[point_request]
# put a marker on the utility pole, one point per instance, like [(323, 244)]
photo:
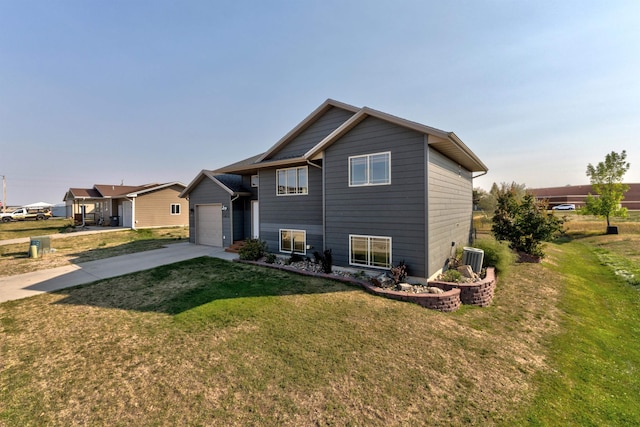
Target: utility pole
[(4, 194)]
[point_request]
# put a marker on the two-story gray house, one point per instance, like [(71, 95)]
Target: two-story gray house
[(374, 188)]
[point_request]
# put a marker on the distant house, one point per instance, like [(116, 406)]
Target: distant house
[(577, 194), (374, 188), (131, 206)]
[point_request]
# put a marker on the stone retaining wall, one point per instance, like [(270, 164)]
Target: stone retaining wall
[(477, 293), (448, 301)]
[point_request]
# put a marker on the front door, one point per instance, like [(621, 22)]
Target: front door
[(255, 219)]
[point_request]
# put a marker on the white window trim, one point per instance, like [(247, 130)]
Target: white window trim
[(304, 232), (369, 251), (171, 209), (306, 168), (368, 156)]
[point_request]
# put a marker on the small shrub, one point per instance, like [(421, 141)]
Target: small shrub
[(253, 250), (294, 258), (326, 260), (270, 258), (496, 254), (452, 276), (399, 272)]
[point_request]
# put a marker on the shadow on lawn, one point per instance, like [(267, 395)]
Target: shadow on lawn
[(182, 286)]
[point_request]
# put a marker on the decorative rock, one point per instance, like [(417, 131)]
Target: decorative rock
[(466, 271), (434, 290), (405, 287), (385, 281)]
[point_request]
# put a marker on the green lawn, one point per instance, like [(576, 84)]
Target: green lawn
[(17, 229), (209, 342)]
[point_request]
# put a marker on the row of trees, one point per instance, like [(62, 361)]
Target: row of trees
[(525, 222)]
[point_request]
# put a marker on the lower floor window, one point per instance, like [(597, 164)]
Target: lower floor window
[(370, 251), (293, 241), (175, 209)]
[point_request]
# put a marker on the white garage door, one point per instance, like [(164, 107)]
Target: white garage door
[(209, 225)]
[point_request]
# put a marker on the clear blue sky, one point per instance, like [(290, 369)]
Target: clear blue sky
[(96, 92)]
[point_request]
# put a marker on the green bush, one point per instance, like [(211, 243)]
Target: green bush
[(496, 254), (270, 258), (453, 276), (253, 250), (524, 223)]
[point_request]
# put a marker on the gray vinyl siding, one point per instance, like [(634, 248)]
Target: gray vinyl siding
[(315, 133), (396, 210), (207, 192), (297, 212), (450, 208)]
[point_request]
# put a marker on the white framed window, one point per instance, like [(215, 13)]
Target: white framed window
[(293, 241), (254, 180), (370, 169), (292, 181), (370, 251), (175, 208)]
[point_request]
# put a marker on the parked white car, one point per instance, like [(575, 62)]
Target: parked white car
[(565, 207)]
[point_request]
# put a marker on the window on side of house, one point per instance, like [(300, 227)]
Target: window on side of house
[(293, 241), (370, 169), (292, 181), (175, 208), (370, 251)]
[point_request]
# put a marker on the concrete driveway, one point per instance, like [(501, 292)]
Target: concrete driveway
[(29, 284)]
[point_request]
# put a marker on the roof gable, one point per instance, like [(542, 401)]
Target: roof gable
[(232, 184), (328, 116)]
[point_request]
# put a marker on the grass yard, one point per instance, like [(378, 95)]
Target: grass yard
[(14, 259), (14, 230), (208, 342)]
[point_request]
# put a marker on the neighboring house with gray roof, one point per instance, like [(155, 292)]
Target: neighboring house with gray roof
[(374, 188), (131, 206)]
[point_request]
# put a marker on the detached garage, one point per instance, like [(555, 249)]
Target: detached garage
[(219, 209)]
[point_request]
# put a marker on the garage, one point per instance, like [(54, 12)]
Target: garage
[(209, 225)]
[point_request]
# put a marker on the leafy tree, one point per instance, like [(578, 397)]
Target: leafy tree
[(486, 201), (606, 182), (524, 222), (483, 200)]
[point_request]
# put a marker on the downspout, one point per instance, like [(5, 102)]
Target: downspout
[(478, 176), (472, 233)]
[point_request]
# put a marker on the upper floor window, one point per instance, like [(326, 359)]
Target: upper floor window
[(370, 169), (175, 209), (292, 181)]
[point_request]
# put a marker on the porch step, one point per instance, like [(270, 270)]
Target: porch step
[(235, 248)]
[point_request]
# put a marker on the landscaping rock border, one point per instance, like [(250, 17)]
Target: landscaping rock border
[(453, 295)]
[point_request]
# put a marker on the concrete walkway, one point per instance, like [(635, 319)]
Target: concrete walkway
[(29, 284)]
